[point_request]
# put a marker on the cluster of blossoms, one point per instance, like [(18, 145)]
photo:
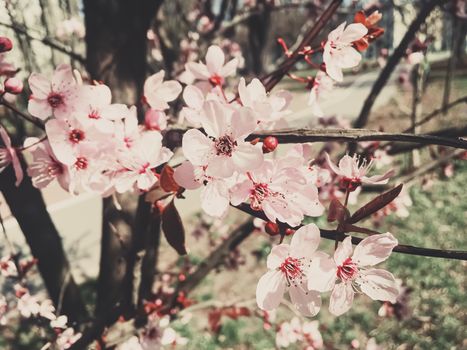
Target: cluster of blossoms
[(94, 145), (304, 272), (38, 310)]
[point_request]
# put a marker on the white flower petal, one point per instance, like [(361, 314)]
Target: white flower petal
[(270, 290), (305, 241), (379, 284), (306, 302), (341, 299), (374, 249)]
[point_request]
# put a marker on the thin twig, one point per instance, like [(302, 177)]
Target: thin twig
[(46, 41), (29, 118), (401, 248)]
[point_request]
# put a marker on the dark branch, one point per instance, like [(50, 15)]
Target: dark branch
[(398, 53), (25, 116), (401, 248)]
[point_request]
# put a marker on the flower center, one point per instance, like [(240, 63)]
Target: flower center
[(55, 99), (144, 168), (76, 135), (349, 184), (258, 194), (94, 115), (216, 80), (54, 169), (225, 145), (348, 270), (291, 268), (81, 163)]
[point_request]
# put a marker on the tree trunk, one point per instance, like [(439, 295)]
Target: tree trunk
[(116, 54), (28, 207)]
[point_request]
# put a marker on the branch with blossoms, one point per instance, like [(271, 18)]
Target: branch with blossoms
[(232, 153)]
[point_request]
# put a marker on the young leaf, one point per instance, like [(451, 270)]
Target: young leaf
[(337, 212), (173, 228), (375, 204), (167, 181)]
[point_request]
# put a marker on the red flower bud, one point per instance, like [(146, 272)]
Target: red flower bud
[(5, 44), (289, 231), (13, 86), (272, 228), (270, 143)]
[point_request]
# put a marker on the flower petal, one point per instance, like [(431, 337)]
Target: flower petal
[(341, 299), (305, 241), (270, 290), (193, 97), (196, 147), (307, 302), (321, 274), (343, 251), (39, 85), (184, 175), (215, 198), (277, 256), (229, 68), (374, 249), (215, 59), (247, 156), (379, 284)]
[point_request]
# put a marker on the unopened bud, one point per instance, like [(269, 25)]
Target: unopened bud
[(5, 44), (272, 228), (13, 85), (270, 143)]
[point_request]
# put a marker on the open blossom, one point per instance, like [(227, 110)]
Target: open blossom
[(280, 191), (139, 161), (158, 92), (45, 166), (338, 51), (94, 108), (214, 71), (306, 334), (215, 194), (322, 86), (354, 174), (355, 272), (287, 266), (8, 156), (194, 99), (223, 150), (56, 97), (67, 338), (267, 108)]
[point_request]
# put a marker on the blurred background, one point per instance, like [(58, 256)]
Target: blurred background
[(121, 42)]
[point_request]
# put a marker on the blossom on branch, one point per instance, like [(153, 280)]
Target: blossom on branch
[(8, 156), (355, 272), (287, 266)]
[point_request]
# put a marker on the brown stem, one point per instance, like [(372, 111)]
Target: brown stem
[(401, 248), (15, 110), (275, 77)]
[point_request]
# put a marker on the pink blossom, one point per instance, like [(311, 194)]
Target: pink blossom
[(322, 86), (223, 150), (287, 266), (6, 68), (338, 51), (139, 161), (155, 120), (8, 267), (59, 322), (215, 194), (66, 135), (268, 108), (281, 191), (94, 108), (67, 338), (354, 173), (47, 309), (45, 167), (131, 343), (214, 71), (354, 272), (289, 333), (57, 97), (195, 98), (8, 155), (158, 92), (28, 305)]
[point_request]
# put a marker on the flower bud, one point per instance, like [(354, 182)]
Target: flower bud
[(5, 44), (13, 86), (271, 228), (155, 120), (270, 143)]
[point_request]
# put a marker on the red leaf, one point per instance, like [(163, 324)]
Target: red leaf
[(337, 212), (173, 228), (167, 181), (375, 204)]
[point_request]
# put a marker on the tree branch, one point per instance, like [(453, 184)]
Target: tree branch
[(46, 41), (401, 248), (392, 62), (37, 122)]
